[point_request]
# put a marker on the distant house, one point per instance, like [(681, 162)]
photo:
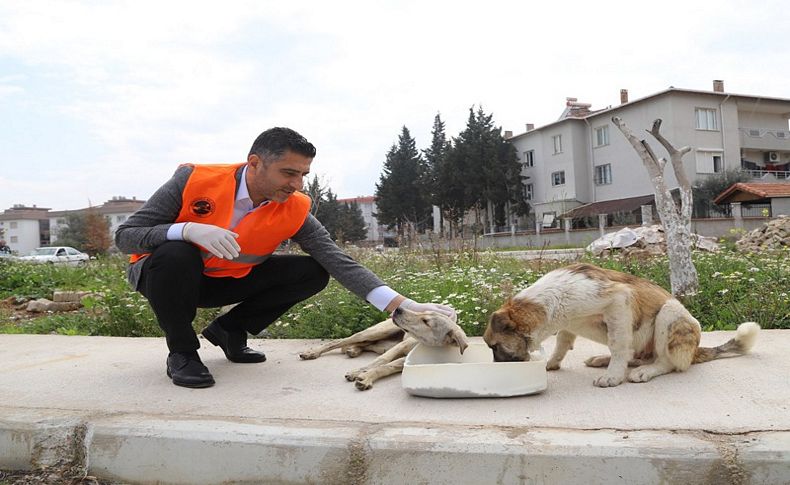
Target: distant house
[(775, 195), (583, 161), (26, 228), (115, 210), (367, 205)]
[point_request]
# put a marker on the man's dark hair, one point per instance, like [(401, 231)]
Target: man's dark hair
[(272, 144)]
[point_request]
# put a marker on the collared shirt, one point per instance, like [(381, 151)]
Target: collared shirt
[(379, 297)]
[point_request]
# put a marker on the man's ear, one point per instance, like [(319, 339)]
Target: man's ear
[(254, 160)]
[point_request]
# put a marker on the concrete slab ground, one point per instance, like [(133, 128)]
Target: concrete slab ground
[(104, 405)]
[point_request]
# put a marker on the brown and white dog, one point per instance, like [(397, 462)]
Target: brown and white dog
[(393, 339), (640, 322)]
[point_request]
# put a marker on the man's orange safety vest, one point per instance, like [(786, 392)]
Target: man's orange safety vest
[(209, 197)]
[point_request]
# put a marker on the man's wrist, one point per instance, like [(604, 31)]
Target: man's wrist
[(394, 303)]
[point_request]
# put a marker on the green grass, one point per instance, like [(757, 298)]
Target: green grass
[(733, 288)]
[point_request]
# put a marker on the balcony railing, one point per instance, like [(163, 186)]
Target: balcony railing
[(764, 139), (759, 174), (762, 133)]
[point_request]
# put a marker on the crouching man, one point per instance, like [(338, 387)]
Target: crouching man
[(206, 238)]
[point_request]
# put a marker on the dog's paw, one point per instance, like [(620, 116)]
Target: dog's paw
[(309, 355), (351, 376), (607, 380), (641, 374), (553, 365), (363, 384), (598, 361)]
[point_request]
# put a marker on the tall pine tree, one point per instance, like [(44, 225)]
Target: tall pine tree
[(483, 169), (436, 169), (400, 195)]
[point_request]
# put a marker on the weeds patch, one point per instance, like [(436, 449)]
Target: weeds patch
[(733, 288)]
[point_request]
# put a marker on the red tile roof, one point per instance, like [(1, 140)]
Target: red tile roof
[(747, 191)]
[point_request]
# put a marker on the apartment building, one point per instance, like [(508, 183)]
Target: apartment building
[(115, 210), (583, 158), (26, 228)]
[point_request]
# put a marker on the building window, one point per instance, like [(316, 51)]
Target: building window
[(706, 119), (717, 165), (558, 178), (557, 143), (603, 174), (601, 136), (529, 158), (14, 239), (120, 218), (528, 191), (13, 225), (710, 162), (61, 222)]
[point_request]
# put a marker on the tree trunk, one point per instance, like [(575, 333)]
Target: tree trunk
[(677, 223)]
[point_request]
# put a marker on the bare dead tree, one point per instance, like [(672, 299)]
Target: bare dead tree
[(676, 220)]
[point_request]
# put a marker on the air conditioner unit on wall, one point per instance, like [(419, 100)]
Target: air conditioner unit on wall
[(772, 157)]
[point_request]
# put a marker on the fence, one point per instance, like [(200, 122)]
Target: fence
[(717, 228)]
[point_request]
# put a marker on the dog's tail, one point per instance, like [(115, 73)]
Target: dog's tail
[(739, 345)]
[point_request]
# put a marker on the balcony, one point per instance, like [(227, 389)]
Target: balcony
[(764, 139), (767, 175)]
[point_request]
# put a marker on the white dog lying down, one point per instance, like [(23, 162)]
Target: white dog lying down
[(393, 339), (641, 323)]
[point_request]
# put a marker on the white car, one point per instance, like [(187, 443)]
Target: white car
[(57, 254)]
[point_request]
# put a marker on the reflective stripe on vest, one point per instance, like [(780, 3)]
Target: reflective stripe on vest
[(209, 197)]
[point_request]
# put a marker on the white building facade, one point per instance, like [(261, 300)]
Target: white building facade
[(583, 158), (25, 228)]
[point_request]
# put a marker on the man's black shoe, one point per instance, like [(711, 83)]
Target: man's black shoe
[(186, 370), (233, 343)]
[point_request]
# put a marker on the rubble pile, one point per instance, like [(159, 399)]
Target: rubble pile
[(643, 241), (775, 234), (22, 308), (62, 301)]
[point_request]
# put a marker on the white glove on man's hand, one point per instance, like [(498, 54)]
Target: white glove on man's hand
[(216, 240), (412, 305)]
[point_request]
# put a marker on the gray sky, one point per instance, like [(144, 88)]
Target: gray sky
[(99, 99)]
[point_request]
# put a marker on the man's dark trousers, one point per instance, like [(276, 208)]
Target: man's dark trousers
[(173, 281)]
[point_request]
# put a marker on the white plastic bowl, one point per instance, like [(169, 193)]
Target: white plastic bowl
[(444, 372)]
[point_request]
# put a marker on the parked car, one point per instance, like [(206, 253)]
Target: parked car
[(57, 254)]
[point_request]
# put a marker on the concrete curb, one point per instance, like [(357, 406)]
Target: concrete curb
[(145, 449)]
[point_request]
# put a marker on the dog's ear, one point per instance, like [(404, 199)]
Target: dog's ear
[(500, 321), (458, 336)]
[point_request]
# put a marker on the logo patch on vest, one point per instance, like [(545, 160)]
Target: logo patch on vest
[(202, 207)]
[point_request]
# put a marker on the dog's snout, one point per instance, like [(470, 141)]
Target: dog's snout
[(500, 355)]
